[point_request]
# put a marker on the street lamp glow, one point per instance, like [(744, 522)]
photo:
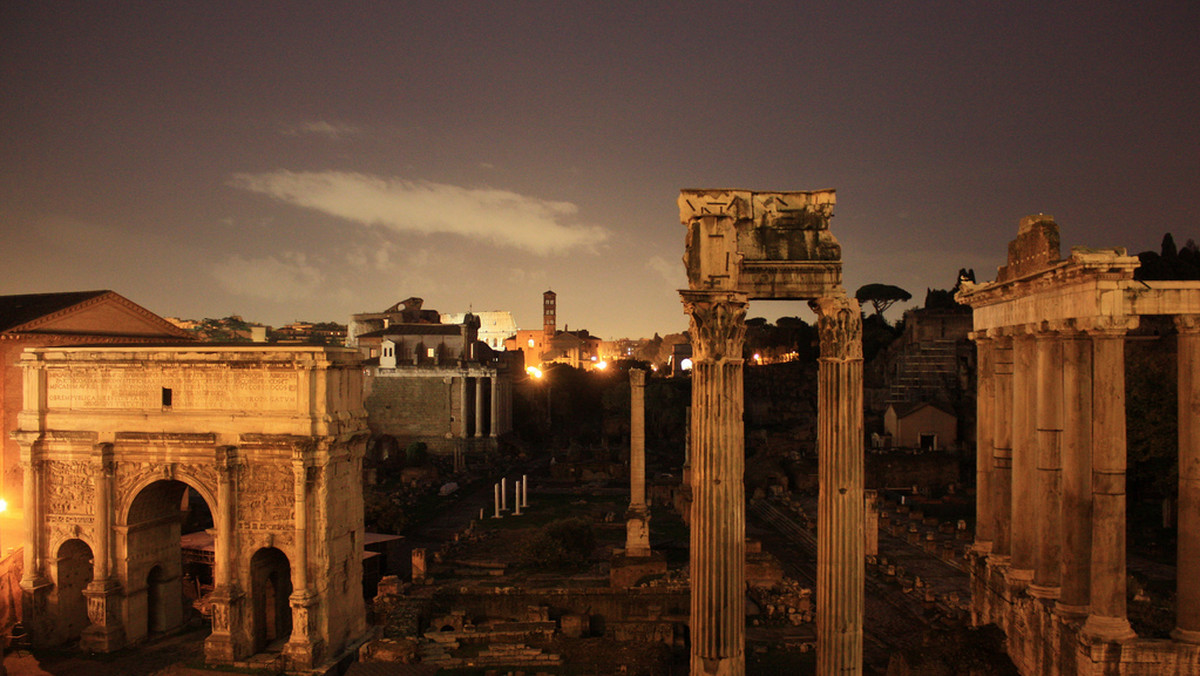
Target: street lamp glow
[(601, 365), (533, 371), (685, 365)]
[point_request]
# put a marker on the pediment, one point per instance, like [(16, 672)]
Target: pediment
[(108, 314)]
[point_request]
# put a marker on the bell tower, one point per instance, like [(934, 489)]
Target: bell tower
[(549, 305)]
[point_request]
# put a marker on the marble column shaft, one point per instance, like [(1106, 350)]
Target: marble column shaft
[(637, 439), (223, 563), (1107, 619), (985, 518), (300, 486), (1187, 574), (1076, 561), (840, 506), (480, 409), (718, 518), (31, 575), (464, 404), (1024, 457), (102, 519), (494, 403), (1002, 360), (1048, 541)]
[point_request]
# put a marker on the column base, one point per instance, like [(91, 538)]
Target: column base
[(1020, 577), (1039, 591), (637, 533), (35, 601), (722, 666), (1109, 629), (999, 560), (1185, 635), (302, 650), (226, 645), (982, 547), (1070, 612), (106, 632)]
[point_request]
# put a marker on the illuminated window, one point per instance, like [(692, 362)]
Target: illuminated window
[(530, 342), (429, 353)]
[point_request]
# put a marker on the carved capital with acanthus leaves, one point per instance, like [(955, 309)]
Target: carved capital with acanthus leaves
[(839, 325), (718, 324)]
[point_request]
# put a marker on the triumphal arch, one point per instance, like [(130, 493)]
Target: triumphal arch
[(270, 438), (744, 245), (1049, 559)]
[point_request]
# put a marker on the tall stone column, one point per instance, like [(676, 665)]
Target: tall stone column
[(494, 401), (225, 644), (1187, 573), (1107, 620), (1075, 595), (840, 518), (637, 520), (105, 633), (300, 646), (31, 573), (1048, 543), (464, 402), (985, 518), (1002, 455), (480, 410), (718, 519), (1024, 457)]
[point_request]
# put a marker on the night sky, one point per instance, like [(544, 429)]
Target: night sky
[(309, 160)]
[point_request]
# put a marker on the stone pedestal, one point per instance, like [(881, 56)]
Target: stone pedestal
[(303, 651), (223, 646), (840, 565), (105, 634), (718, 522)]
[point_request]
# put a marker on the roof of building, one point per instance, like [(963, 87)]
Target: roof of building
[(45, 312), (904, 410), (18, 310), (415, 330)]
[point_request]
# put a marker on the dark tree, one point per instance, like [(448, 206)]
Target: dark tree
[(881, 296)]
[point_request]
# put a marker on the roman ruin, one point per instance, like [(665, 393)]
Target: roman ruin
[(744, 245), (270, 438), (1051, 336), (637, 524)]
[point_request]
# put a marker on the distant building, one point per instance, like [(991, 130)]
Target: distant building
[(495, 326), (923, 425), (52, 319), (431, 382)]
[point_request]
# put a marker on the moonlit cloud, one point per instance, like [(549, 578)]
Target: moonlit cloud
[(291, 276), (333, 130), (672, 272), (499, 217)]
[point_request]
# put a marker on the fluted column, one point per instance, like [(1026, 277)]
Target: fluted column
[(1075, 595), (1002, 362), (637, 520), (1107, 619), (1187, 615), (480, 410), (1048, 498), (31, 574), (105, 633), (718, 519), (494, 403), (226, 642), (464, 404), (300, 522), (1024, 456), (985, 518), (300, 647), (840, 518)]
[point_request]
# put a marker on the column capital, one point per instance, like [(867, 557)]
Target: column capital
[(1187, 323), (1107, 327), (718, 323), (839, 325)]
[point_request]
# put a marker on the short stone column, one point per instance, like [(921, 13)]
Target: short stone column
[(1075, 594), (105, 633), (480, 408), (494, 402), (1048, 498), (1187, 573), (1024, 457), (1002, 455), (718, 513), (985, 518), (637, 519), (840, 506), (1107, 619)]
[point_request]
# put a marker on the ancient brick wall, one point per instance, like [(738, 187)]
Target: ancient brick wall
[(412, 407)]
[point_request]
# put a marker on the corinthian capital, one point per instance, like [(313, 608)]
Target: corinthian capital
[(718, 323), (839, 324)]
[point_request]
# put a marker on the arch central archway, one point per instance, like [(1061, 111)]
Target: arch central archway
[(150, 556)]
